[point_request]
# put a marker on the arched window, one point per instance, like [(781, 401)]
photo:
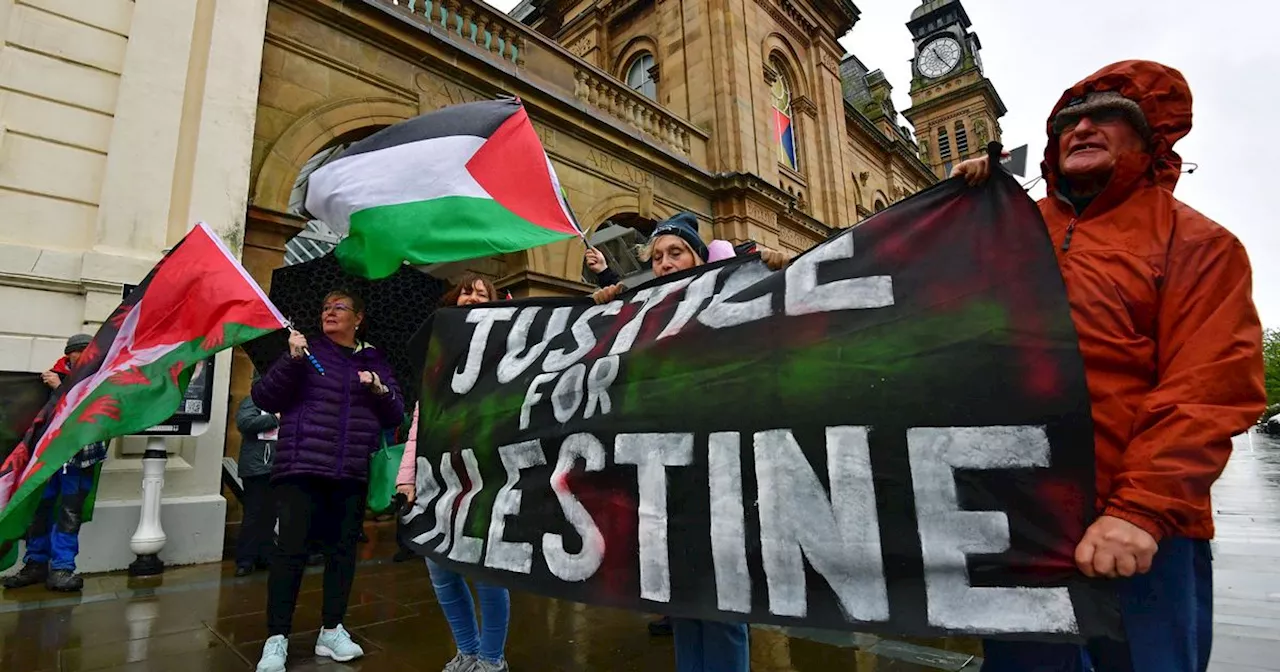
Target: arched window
[(879, 205), (962, 140), (944, 144), (784, 131), (640, 76), (619, 238)]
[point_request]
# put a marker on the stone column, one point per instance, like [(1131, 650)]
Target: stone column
[(178, 153)]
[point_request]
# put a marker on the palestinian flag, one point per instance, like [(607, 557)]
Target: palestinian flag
[(463, 182), (196, 302)]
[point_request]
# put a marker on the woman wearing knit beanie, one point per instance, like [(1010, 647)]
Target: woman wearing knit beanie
[(674, 246)]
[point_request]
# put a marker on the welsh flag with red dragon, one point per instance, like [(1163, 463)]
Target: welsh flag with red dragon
[(195, 303)]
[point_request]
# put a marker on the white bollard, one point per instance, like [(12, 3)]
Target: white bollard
[(149, 537)]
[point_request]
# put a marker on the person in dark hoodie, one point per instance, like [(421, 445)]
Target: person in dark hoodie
[(258, 430), (53, 540)]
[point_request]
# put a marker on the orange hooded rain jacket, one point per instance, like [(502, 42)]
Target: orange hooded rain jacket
[(1161, 298)]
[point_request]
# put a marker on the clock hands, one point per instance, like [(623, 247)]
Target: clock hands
[(933, 59)]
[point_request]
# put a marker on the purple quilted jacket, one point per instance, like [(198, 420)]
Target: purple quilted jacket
[(330, 424)]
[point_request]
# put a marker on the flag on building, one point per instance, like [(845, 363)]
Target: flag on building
[(463, 182), (196, 302)]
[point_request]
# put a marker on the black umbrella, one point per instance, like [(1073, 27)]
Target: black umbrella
[(395, 309)]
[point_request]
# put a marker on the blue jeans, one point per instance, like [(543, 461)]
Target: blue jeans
[(1168, 617), (711, 646), (455, 601), (54, 536)]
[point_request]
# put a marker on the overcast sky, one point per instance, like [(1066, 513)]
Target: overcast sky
[(1034, 50)]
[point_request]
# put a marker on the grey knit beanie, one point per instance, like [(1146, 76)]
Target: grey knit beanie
[(1098, 101), (77, 343)]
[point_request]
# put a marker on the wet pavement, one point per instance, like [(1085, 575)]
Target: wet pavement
[(202, 618), (1246, 567)]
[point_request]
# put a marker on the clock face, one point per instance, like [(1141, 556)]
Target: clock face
[(938, 57)]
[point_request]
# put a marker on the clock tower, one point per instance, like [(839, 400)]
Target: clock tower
[(954, 107)]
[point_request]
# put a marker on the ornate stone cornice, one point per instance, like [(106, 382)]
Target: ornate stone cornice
[(907, 153), (531, 283), (802, 22), (802, 220), (805, 106), (746, 184), (585, 43), (743, 183), (787, 23)]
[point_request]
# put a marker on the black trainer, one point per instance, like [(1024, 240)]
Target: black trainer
[(30, 574), (244, 570), (64, 581)]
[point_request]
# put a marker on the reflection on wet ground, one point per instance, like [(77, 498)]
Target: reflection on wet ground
[(202, 618), (1246, 567)]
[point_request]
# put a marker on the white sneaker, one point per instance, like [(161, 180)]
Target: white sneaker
[(483, 665), (274, 653), (461, 663), (337, 644)]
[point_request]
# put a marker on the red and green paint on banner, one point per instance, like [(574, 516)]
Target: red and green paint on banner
[(891, 434)]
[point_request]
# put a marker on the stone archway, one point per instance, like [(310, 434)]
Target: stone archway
[(619, 237), (619, 204), (311, 133), (564, 259)]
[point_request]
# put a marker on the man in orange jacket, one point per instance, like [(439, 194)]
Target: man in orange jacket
[(1161, 300)]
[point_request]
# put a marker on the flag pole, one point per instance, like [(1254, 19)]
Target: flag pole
[(307, 351), (577, 226)]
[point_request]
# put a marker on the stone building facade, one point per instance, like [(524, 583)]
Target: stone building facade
[(124, 121)]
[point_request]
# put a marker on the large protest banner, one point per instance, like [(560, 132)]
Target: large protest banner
[(891, 434), (22, 395)]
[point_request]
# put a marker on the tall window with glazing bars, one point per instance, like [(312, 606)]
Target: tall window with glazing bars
[(784, 131)]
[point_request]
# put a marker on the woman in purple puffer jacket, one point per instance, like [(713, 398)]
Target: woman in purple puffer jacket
[(331, 418)]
